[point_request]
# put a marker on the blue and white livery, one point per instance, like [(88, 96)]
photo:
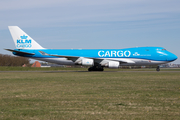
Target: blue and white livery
[(96, 58)]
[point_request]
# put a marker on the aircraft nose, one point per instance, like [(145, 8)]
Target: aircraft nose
[(171, 57)]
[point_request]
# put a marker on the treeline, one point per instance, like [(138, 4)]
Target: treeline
[(8, 60)]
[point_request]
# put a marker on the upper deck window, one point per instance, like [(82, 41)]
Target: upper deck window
[(163, 49)]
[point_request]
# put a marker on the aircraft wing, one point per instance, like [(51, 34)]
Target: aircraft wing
[(73, 58), (20, 52), (68, 57), (126, 61), (97, 60)]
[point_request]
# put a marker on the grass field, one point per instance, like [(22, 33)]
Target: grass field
[(6, 68), (90, 95)]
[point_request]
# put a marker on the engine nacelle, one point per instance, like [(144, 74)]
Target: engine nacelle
[(113, 64), (87, 62)]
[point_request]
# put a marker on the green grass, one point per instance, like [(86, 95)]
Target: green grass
[(6, 68), (89, 95)]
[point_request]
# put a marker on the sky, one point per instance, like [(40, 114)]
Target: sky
[(93, 23)]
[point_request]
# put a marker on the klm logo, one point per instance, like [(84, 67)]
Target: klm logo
[(24, 42)]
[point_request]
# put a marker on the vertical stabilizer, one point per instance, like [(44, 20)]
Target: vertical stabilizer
[(23, 40)]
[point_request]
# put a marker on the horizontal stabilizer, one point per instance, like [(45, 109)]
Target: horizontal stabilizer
[(20, 52)]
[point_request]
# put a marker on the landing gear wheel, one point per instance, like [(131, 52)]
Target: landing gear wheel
[(90, 69), (101, 69), (158, 69), (95, 68)]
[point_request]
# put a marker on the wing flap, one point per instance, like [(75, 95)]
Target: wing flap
[(127, 61)]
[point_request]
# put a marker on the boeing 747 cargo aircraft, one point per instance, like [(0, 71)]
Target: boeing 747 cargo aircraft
[(97, 59)]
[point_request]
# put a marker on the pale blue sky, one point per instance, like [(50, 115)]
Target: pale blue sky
[(93, 23)]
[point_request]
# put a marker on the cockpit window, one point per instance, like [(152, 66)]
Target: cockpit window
[(163, 49)]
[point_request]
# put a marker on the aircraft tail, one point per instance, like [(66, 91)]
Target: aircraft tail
[(23, 40)]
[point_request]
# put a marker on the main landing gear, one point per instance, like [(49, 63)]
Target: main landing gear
[(158, 68), (96, 68)]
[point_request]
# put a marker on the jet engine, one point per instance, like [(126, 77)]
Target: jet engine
[(113, 64), (85, 61)]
